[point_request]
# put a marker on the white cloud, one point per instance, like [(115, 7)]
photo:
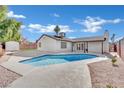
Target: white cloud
[(115, 21), (71, 37), (94, 24), (38, 28), (11, 14), (23, 26), (56, 15)]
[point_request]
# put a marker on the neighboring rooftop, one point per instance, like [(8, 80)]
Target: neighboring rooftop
[(118, 39)]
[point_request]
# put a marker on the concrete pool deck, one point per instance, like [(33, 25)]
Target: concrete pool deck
[(56, 76), (65, 75)]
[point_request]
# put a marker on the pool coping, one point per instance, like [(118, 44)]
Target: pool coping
[(56, 55)]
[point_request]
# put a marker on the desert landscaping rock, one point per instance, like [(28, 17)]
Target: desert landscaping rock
[(104, 74), (7, 76)]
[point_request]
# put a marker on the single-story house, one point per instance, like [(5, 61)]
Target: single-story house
[(95, 44)]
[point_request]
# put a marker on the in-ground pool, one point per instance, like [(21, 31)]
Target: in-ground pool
[(56, 59)]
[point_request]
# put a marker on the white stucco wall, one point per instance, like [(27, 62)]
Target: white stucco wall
[(68, 48), (49, 44), (12, 46), (106, 42), (106, 46), (95, 47)]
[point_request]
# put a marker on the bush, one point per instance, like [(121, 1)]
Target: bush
[(114, 60), (109, 86)]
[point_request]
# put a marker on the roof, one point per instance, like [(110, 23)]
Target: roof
[(56, 38), (94, 38), (118, 39)]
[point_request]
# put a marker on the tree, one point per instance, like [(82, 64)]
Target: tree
[(113, 39), (3, 12), (57, 30), (9, 28)]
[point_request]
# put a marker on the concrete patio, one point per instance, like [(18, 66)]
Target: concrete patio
[(75, 75)]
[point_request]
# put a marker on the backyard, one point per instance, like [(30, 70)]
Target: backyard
[(38, 55), (102, 73)]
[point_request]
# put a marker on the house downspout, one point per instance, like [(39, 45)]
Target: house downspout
[(72, 47), (102, 47), (84, 48)]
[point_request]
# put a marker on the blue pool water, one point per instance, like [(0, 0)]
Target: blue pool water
[(56, 59)]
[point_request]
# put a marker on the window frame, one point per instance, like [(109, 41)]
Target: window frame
[(63, 45), (39, 44)]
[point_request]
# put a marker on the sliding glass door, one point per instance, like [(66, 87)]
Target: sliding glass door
[(80, 46)]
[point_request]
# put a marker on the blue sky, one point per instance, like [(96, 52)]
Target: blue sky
[(76, 21)]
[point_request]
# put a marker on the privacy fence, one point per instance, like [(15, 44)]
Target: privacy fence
[(28, 46)]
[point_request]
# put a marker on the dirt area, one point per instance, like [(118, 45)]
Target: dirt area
[(7, 76), (104, 74)]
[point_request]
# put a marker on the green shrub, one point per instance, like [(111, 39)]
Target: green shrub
[(109, 86), (114, 60)]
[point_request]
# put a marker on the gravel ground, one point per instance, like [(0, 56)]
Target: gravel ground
[(104, 74), (7, 77)]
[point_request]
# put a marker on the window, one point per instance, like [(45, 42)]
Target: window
[(39, 44), (63, 44)]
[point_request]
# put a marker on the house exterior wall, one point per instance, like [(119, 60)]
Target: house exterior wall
[(67, 49), (120, 48), (106, 42), (95, 47), (49, 44), (106, 46)]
